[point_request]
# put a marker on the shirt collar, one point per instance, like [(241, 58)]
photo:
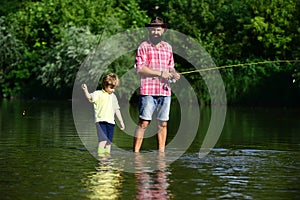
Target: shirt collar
[(161, 44), (104, 91)]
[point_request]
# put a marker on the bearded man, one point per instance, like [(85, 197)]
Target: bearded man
[(154, 63)]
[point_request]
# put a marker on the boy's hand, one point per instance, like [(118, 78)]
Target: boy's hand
[(84, 86), (122, 126)]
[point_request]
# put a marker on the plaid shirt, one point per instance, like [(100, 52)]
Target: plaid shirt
[(156, 58)]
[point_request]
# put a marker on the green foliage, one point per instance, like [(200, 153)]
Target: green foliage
[(45, 42), (241, 81), (240, 32), (10, 6), (58, 35), (12, 73), (252, 28), (271, 24), (78, 42), (66, 57)]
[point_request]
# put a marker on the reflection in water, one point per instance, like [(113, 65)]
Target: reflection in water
[(151, 184), (105, 183)]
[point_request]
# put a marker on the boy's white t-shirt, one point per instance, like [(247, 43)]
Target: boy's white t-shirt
[(105, 106)]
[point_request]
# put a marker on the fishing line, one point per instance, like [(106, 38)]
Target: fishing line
[(239, 65)]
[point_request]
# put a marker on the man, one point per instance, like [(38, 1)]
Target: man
[(155, 64)]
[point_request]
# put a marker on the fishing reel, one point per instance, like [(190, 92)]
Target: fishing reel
[(172, 80)]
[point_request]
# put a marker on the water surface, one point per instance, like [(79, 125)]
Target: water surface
[(42, 157)]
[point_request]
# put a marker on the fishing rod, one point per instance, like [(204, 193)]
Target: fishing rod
[(238, 65)]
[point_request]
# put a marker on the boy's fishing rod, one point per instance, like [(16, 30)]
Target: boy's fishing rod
[(238, 65)]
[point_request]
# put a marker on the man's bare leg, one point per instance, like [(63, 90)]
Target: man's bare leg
[(162, 135), (139, 135)]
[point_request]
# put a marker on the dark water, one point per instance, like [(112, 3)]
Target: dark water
[(42, 157)]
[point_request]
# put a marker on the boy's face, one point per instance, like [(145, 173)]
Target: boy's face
[(110, 89)]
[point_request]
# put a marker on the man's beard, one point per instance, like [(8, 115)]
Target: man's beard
[(155, 40)]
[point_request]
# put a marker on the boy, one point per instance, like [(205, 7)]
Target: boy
[(106, 106)]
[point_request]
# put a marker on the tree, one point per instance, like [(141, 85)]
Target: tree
[(12, 73), (52, 33)]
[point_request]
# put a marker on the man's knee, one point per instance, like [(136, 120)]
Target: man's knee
[(162, 124), (143, 124)]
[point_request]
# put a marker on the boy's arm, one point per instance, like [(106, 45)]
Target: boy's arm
[(86, 91), (119, 116)]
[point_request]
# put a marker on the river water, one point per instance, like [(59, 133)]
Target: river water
[(42, 157)]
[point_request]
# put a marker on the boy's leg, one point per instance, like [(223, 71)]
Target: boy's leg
[(101, 147), (102, 137), (162, 135), (139, 135), (108, 147), (110, 135), (101, 144)]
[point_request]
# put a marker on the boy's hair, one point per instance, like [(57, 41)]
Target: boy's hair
[(111, 80)]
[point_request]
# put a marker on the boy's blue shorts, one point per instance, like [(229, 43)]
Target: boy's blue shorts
[(105, 131)]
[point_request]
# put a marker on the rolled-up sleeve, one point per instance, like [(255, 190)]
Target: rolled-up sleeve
[(94, 96), (141, 58), (171, 61)]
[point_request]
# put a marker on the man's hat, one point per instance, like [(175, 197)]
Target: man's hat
[(157, 22)]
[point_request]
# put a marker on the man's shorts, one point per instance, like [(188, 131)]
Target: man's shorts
[(105, 131), (149, 104)]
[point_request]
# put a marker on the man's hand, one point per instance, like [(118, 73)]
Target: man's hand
[(176, 76), (166, 75)]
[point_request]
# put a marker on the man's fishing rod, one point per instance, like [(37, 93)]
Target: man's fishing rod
[(238, 65)]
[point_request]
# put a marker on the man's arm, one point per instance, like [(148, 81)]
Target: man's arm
[(146, 71)]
